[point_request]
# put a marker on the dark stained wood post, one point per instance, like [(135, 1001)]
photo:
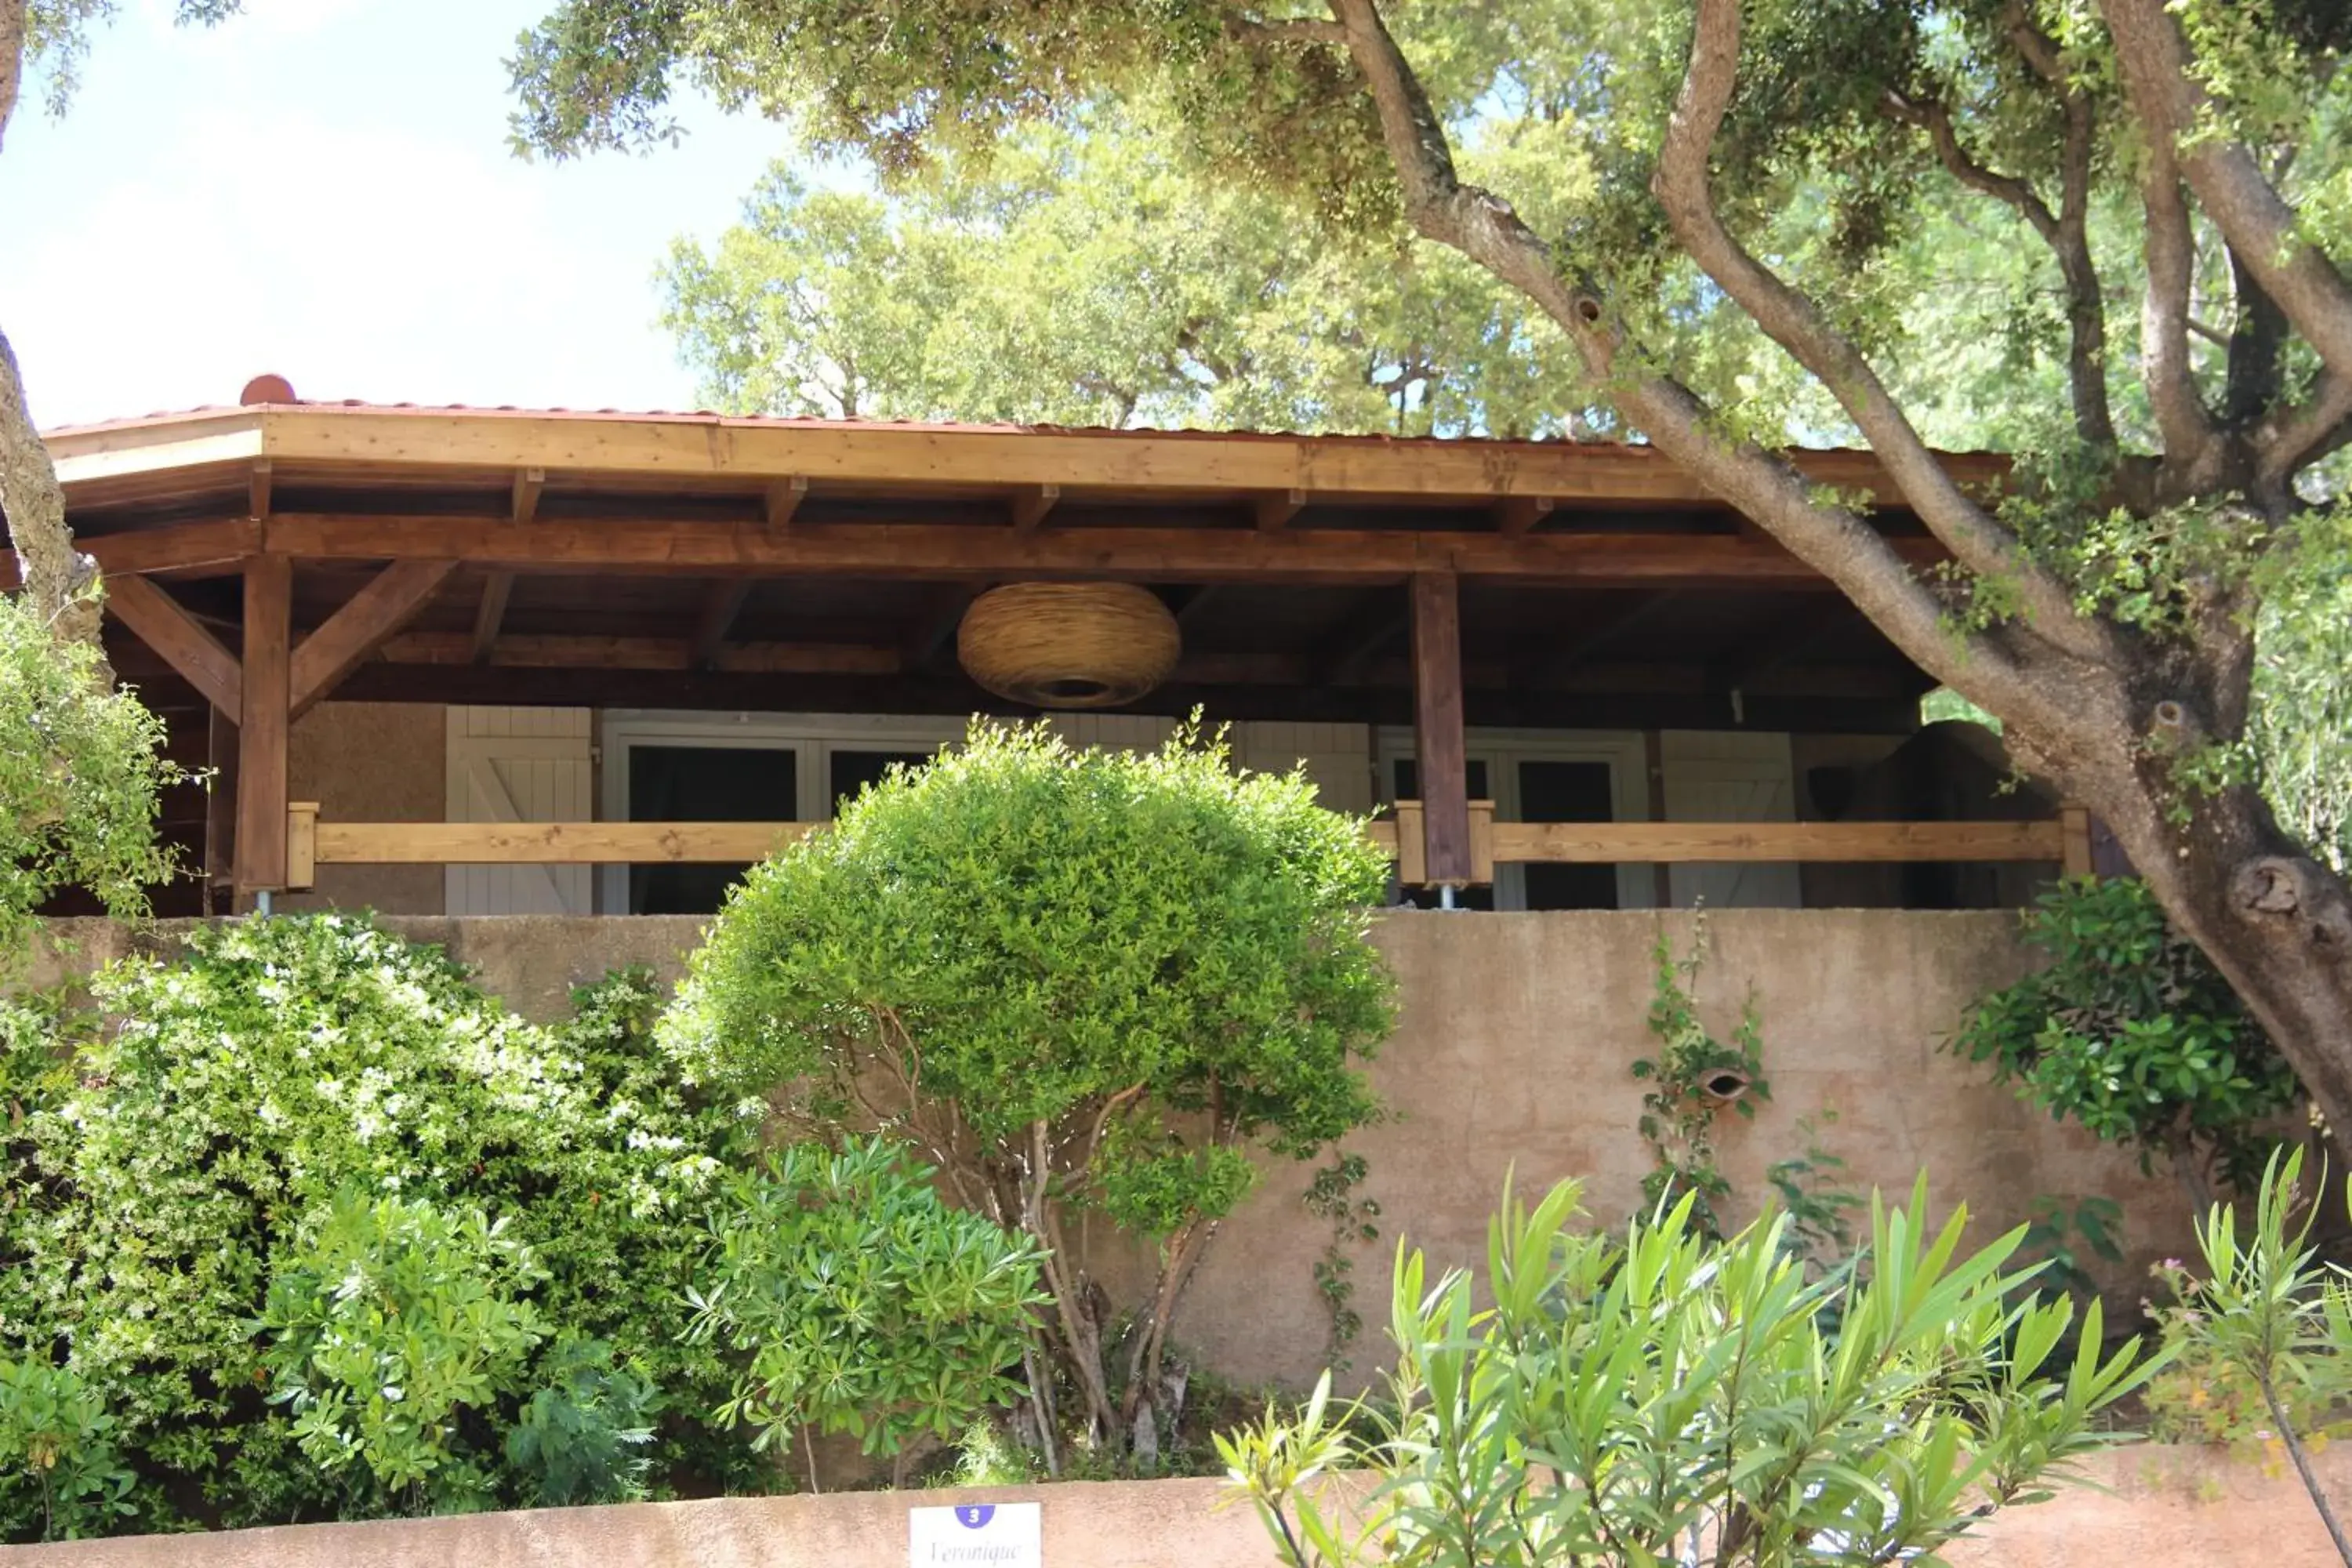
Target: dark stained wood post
[(220, 817), (262, 731), (1437, 725)]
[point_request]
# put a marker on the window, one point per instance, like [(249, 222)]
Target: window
[(739, 767), (1535, 775)]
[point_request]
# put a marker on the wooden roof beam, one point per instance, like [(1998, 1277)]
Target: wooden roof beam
[(1028, 508), (537, 652), (258, 488), (389, 602), (917, 551), (165, 624)]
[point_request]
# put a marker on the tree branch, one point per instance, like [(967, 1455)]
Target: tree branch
[(2304, 434), (1307, 29), (2182, 421), (2257, 337), (2066, 232), (1792, 321), (2230, 184), (1833, 539), (56, 578)]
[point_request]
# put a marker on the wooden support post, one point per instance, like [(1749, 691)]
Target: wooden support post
[(262, 730), (2074, 830), (1438, 733), (220, 816)]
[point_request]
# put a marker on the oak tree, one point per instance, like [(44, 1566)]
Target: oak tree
[(1716, 201)]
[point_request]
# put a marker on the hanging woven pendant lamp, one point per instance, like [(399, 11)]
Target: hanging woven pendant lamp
[(1069, 645)]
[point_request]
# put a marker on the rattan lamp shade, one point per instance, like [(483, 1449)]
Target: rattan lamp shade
[(1069, 645)]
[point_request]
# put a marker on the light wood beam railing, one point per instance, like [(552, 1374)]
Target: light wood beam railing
[(311, 842)]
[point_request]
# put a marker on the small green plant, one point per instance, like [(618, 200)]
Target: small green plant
[(854, 1299), (1639, 1399), (1331, 1196), (1821, 1210), (2268, 1313), (391, 1323), (583, 1438), (2067, 1238), (57, 1451), (1695, 1078), (2129, 1031)]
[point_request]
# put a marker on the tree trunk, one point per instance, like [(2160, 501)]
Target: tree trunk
[(56, 577)]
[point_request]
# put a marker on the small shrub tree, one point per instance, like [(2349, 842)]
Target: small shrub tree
[(856, 1300), (1667, 1398), (1082, 983), (2130, 1031)]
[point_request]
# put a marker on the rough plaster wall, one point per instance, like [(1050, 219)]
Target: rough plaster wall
[(2153, 1507), (1515, 1036), (370, 762)]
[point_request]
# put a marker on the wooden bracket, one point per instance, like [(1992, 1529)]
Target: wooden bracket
[(1412, 849), (258, 490), (159, 621), (387, 603)]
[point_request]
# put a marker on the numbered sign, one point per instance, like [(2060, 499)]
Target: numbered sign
[(976, 1535)]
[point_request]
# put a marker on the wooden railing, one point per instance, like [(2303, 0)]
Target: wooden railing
[(2066, 839)]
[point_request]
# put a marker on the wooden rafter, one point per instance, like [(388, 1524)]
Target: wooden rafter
[(258, 488), (1275, 512), (489, 615), (528, 484), (1143, 554), (1028, 507), (164, 623), (935, 626), (1520, 514), (722, 603), (388, 602), (644, 653), (782, 500)]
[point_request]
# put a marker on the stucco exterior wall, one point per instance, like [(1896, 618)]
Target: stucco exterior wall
[(370, 762), (2162, 1509), (1513, 1052)]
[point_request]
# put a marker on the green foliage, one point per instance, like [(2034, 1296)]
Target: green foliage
[(2300, 738), (1809, 1188), (81, 765), (2129, 1031), (1089, 274), (2067, 1238), (1622, 1399), (584, 1438), (1695, 1078), (1354, 1222), (2267, 1312), (854, 1299), (388, 1322), (59, 1459), (1078, 982), (163, 1173)]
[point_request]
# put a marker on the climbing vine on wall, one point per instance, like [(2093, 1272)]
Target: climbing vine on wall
[(1694, 1077)]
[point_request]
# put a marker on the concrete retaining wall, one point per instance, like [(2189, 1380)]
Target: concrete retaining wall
[(2164, 1509), (1513, 1051)]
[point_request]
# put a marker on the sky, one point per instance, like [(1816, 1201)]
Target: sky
[(322, 189)]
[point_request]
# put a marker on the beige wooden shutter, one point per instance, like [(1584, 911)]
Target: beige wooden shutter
[(522, 764), (1730, 775)]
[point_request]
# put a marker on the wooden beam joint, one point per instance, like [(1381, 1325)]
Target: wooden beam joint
[(783, 500), (1028, 508), (1273, 512)]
